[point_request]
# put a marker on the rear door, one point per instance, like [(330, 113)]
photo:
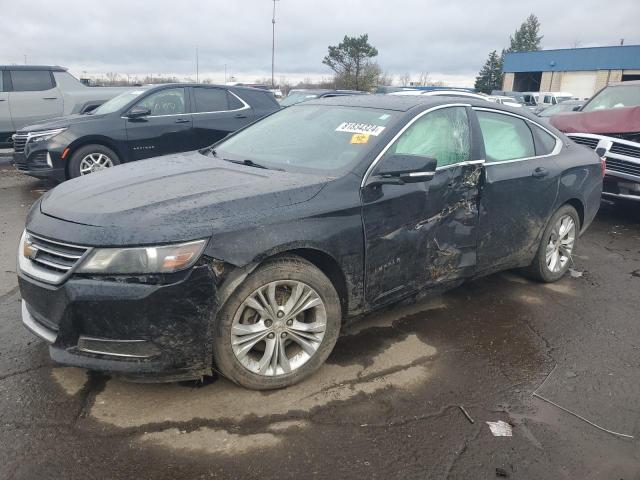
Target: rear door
[(421, 234), (217, 112), (33, 97), (6, 124), (519, 190), (167, 130)]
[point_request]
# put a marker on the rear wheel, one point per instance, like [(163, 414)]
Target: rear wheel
[(91, 159), (278, 327), (553, 258)]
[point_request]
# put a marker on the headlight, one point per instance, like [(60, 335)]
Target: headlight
[(44, 135), (141, 260)]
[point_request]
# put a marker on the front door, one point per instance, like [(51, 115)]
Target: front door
[(217, 112), (6, 124), (168, 129), (422, 234), (520, 189)]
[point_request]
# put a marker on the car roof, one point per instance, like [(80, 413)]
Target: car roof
[(53, 68), (205, 85), (628, 82), (402, 103)]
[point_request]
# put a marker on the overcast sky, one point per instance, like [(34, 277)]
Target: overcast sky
[(448, 39)]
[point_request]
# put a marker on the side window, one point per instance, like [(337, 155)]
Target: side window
[(210, 99), (234, 103), (442, 134), (505, 137), (547, 99), (545, 143), (165, 102), (31, 80)]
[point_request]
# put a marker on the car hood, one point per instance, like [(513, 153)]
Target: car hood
[(60, 122), (614, 120), (187, 194)]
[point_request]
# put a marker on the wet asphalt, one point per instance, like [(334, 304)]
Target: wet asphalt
[(387, 403)]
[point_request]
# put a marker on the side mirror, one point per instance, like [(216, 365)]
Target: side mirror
[(576, 108), (401, 169), (138, 112)]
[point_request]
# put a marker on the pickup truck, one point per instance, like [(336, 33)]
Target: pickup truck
[(609, 123), (30, 94)]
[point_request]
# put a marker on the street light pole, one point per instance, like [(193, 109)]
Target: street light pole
[(273, 44)]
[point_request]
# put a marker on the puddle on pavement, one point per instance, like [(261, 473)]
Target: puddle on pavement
[(402, 365), (211, 440), (71, 379)]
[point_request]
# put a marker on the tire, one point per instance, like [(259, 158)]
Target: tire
[(98, 154), (247, 367), (540, 269)]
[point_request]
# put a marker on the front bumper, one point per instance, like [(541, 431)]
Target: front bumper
[(622, 175), (145, 328), (40, 164)]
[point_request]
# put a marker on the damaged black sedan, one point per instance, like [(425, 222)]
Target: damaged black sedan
[(247, 257)]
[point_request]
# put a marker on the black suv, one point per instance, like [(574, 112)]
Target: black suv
[(145, 122)]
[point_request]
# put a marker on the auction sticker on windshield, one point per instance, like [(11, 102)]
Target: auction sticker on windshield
[(358, 138), (352, 127)]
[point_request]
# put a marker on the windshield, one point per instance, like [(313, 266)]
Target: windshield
[(615, 97), (556, 109), (116, 103), (309, 138), (297, 97)]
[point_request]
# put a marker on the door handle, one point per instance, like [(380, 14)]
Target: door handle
[(50, 98), (540, 172), (240, 115), (183, 120)]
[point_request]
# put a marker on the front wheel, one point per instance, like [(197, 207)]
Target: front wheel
[(557, 245), (278, 327), (91, 159)]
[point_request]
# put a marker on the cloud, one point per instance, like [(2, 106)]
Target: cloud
[(448, 39)]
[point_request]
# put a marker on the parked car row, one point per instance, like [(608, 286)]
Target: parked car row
[(29, 94), (250, 254), (141, 123)]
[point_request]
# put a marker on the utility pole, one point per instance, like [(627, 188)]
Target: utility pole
[(197, 67), (273, 44), (225, 73), (25, 57)]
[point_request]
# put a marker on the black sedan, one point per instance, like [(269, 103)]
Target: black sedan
[(142, 123), (250, 255)]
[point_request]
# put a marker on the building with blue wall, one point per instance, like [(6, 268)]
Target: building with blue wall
[(579, 71)]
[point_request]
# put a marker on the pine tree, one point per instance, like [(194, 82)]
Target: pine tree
[(526, 38), (490, 76)]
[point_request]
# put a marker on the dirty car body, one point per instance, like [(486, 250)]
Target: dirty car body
[(378, 237)]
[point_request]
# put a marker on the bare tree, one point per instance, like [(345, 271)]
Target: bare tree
[(405, 79)]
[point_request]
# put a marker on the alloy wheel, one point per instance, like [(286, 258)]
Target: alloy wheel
[(278, 328), (561, 242), (94, 162)]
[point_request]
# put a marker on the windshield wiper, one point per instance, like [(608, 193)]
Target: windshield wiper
[(251, 163)]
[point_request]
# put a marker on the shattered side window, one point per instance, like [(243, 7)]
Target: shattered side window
[(505, 137), (442, 134)]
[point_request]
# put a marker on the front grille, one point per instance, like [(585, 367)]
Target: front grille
[(49, 260), (586, 141), (19, 141), (625, 149), (622, 166)]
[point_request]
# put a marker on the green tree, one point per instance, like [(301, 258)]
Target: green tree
[(526, 38), (352, 64), (490, 76)]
